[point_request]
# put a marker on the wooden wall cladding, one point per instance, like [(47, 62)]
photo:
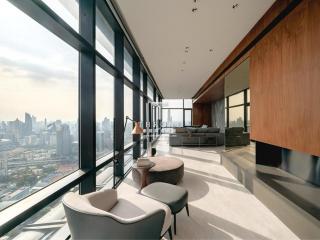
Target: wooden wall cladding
[(285, 82), (267, 18), (201, 114)]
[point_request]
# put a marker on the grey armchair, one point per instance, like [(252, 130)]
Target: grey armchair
[(235, 136), (102, 215)]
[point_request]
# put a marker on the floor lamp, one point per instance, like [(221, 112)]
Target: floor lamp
[(148, 123)]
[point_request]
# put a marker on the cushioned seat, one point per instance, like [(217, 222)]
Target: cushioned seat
[(104, 215), (174, 196), (135, 205), (167, 169)]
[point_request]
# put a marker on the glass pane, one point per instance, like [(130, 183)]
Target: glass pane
[(104, 37), (141, 81), (248, 95), (141, 111), (236, 118), (128, 112), (236, 99), (187, 103), (127, 64), (128, 160), (38, 134), (67, 10), (150, 89), (104, 177), (104, 112), (172, 103), (187, 117), (43, 224), (172, 118), (225, 116)]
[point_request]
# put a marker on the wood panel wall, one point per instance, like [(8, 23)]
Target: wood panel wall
[(268, 17), (285, 82), (201, 114)]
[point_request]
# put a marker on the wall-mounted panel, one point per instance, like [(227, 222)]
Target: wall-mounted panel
[(201, 114), (284, 82)]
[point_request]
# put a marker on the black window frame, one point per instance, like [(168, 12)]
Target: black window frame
[(245, 105), (89, 57)]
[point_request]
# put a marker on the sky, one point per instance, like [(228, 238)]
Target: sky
[(39, 72)]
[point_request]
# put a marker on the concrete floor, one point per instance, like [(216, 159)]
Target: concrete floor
[(220, 207)]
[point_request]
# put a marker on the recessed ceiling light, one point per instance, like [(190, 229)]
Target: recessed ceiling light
[(194, 9), (210, 50), (236, 5), (187, 47)]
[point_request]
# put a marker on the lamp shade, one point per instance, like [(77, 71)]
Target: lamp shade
[(137, 129)]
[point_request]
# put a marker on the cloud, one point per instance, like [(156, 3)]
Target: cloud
[(39, 73)]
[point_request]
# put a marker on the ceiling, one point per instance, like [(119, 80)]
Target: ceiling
[(175, 42)]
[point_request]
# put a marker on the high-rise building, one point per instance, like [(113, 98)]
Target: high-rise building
[(27, 124), (63, 140), (100, 144), (16, 129)]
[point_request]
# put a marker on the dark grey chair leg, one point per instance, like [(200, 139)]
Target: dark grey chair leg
[(170, 233), (175, 224), (187, 208)]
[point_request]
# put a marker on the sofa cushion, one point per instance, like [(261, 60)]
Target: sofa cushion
[(198, 134), (181, 130), (213, 130), (202, 130), (191, 130), (134, 205)]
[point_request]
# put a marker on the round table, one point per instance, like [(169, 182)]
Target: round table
[(143, 171)]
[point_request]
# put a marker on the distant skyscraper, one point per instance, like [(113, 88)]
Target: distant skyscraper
[(63, 140), (27, 124), (16, 129), (34, 123), (100, 145)]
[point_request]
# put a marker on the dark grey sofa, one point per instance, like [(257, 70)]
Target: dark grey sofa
[(196, 137), (236, 136)]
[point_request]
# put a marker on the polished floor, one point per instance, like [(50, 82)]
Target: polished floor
[(220, 207)]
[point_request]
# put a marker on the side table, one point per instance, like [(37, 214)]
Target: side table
[(142, 173)]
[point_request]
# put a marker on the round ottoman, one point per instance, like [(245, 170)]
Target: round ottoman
[(167, 169)]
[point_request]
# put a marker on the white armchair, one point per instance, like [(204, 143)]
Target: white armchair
[(102, 215)]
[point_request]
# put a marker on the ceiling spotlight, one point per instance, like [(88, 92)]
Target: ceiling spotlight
[(210, 50), (187, 47), (234, 6), (194, 9)]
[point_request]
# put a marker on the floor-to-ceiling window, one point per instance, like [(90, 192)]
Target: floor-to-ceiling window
[(59, 79), (128, 113), (104, 112), (238, 110), (176, 113), (39, 106)]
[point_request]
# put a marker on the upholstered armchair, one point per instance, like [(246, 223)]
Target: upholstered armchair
[(102, 215), (236, 136)]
